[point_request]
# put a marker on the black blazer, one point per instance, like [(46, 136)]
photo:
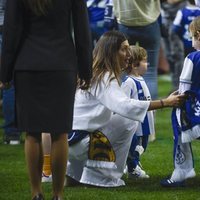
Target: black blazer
[(43, 43)]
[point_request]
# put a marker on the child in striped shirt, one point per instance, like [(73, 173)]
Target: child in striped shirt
[(135, 87)]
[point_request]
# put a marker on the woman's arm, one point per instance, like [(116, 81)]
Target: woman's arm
[(83, 40), (173, 100), (12, 34)]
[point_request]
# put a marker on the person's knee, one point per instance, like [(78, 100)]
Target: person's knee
[(35, 135), (58, 136)]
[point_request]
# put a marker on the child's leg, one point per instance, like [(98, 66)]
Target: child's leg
[(133, 156), (144, 141), (138, 146), (183, 157), (183, 161), (46, 144)]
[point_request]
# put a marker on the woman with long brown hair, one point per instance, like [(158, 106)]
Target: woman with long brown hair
[(39, 53), (105, 119)]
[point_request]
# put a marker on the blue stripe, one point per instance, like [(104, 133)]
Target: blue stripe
[(145, 124)]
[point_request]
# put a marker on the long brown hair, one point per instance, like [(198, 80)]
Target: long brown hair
[(105, 56), (39, 7)]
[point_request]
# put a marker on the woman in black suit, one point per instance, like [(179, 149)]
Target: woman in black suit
[(38, 52)]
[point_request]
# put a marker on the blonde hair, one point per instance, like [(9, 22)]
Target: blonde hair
[(137, 55), (194, 27), (39, 7), (105, 56)]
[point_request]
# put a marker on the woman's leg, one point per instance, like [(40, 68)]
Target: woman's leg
[(34, 159), (118, 134), (59, 152), (78, 155)]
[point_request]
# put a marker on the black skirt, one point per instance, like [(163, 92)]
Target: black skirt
[(45, 100)]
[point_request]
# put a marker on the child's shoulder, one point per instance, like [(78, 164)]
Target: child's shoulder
[(132, 78), (193, 56), (134, 81), (127, 79)]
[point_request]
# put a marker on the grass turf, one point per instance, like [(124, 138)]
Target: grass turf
[(157, 161)]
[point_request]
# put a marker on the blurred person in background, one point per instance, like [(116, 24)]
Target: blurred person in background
[(101, 17), (11, 134), (139, 21), (181, 23), (172, 45)]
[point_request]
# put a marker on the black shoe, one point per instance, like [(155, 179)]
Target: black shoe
[(170, 183), (38, 197)]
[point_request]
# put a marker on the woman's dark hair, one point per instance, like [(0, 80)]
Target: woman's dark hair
[(39, 7), (105, 56)]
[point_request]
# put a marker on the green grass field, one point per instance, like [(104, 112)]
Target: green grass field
[(157, 161)]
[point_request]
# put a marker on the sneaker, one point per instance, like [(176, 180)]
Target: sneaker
[(46, 178), (11, 139), (138, 173), (170, 183), (125, 170), (152, 137), (14, 142), (178, 178)]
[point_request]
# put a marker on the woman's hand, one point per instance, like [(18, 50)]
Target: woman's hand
[(174, 100)]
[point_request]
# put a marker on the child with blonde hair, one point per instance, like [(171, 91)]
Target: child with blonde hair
[(135, 87), (186, 120)]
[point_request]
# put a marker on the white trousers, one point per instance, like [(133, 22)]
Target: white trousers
[(119, 132)]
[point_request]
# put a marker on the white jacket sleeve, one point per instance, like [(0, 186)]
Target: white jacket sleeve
[(113, 97)]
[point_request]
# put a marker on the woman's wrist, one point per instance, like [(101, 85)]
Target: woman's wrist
[(162, 103), (165, 103)]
